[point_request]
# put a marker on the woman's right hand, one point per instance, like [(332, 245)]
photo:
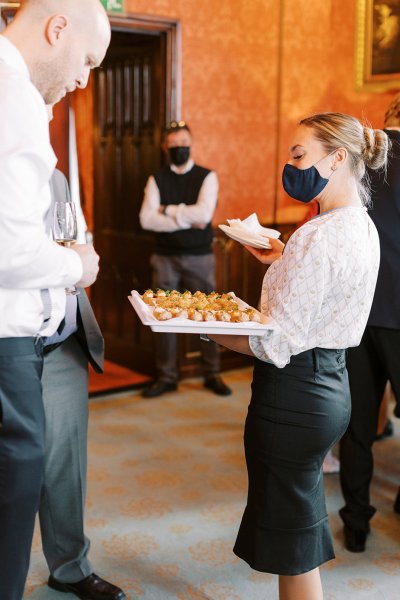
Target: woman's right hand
[(268, 256)]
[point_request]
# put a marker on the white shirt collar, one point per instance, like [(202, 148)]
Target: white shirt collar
[(189, 165), (12, 56)]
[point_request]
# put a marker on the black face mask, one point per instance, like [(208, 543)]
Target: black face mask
[(179, 155), (303, 184)]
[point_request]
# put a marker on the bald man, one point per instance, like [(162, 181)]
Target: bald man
[(48, 50)]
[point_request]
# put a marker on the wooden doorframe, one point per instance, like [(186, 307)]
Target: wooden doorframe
[(7, 12), (137, 23)]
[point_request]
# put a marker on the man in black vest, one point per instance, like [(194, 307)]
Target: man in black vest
[(376, 360), (179, 203)]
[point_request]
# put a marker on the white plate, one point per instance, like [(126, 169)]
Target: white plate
[(145, 314), (251, 225), (238, 235)]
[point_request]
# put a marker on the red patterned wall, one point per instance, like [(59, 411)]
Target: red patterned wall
[(229, 93), (242, 106)]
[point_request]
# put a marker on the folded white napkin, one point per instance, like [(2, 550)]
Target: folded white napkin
[(251, 225)]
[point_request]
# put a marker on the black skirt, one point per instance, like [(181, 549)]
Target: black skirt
[(296, 414)]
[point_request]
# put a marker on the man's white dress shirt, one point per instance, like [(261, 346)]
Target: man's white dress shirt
[(319, 293), (29, 260), (179, 216)]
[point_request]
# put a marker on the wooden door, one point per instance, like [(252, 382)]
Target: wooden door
[(7, 12), (129, 116)]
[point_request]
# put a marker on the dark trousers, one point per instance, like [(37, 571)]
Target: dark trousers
[(21, 458), (371, 365), (186, 272)]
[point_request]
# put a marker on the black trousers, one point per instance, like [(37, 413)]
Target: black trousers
[(21, 457), (371, 365)]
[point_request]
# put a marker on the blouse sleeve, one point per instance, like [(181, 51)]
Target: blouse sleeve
[(292, 296)]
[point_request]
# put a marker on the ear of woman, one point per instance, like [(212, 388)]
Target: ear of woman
[(339, 158)]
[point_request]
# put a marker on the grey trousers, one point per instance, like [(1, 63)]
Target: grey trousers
[(61, 512), (186, 272)]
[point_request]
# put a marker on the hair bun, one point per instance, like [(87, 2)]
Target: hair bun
[(376, 148)]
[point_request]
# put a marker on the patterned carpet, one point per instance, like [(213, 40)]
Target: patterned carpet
[(167, 487)]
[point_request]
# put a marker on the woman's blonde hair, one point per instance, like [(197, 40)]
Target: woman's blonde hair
[(366, 147)]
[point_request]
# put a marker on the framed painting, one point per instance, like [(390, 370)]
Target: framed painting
[(378, 45)]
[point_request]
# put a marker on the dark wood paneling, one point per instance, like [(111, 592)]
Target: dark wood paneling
[(6, 16), (129, 92), (59, 134)]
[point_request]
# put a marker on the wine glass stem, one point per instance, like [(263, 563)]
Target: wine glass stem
[(70, 291)]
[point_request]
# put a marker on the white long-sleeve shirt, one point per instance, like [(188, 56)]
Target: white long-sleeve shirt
[(319, 293), (179, 216), (29, 260)]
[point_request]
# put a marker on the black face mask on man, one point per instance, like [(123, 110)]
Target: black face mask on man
[(179, 155), (304, 184)]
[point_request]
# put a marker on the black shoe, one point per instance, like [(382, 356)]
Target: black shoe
[(396, 504), (158, 388), (387, 432), (90, 588), (217, 386), (355, 539)]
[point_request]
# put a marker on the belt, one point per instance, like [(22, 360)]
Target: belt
[(50, 348)]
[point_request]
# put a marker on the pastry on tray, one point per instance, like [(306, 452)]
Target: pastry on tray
[(170, 304)]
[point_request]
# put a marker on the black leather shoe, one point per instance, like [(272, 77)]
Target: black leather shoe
[(90, 588), (396, 504), (387, 432), (217, 386), (158, 388), (355, 539)]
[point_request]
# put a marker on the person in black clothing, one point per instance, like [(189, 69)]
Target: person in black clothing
[(376, 360), (178, 205)]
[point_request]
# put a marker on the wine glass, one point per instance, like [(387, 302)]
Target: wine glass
[(65, 229)]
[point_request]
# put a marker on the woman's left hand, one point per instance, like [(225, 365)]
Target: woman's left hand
[(267, 257)]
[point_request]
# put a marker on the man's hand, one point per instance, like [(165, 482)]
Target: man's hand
[(268, 256), (90, 263)]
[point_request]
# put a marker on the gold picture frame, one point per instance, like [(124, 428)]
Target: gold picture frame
[(378, 45)]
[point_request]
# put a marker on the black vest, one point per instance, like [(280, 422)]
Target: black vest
[(182, 189)]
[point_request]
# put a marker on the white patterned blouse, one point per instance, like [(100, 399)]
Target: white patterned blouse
[(319, 293)]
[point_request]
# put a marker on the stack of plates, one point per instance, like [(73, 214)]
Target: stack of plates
[(249, 232), (241, 236)]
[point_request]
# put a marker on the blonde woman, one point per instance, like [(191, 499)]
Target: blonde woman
[(317, 295)]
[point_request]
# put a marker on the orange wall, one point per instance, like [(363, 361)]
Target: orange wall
[(318, 73), (241, 112), (250, 70), (229, 93)]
